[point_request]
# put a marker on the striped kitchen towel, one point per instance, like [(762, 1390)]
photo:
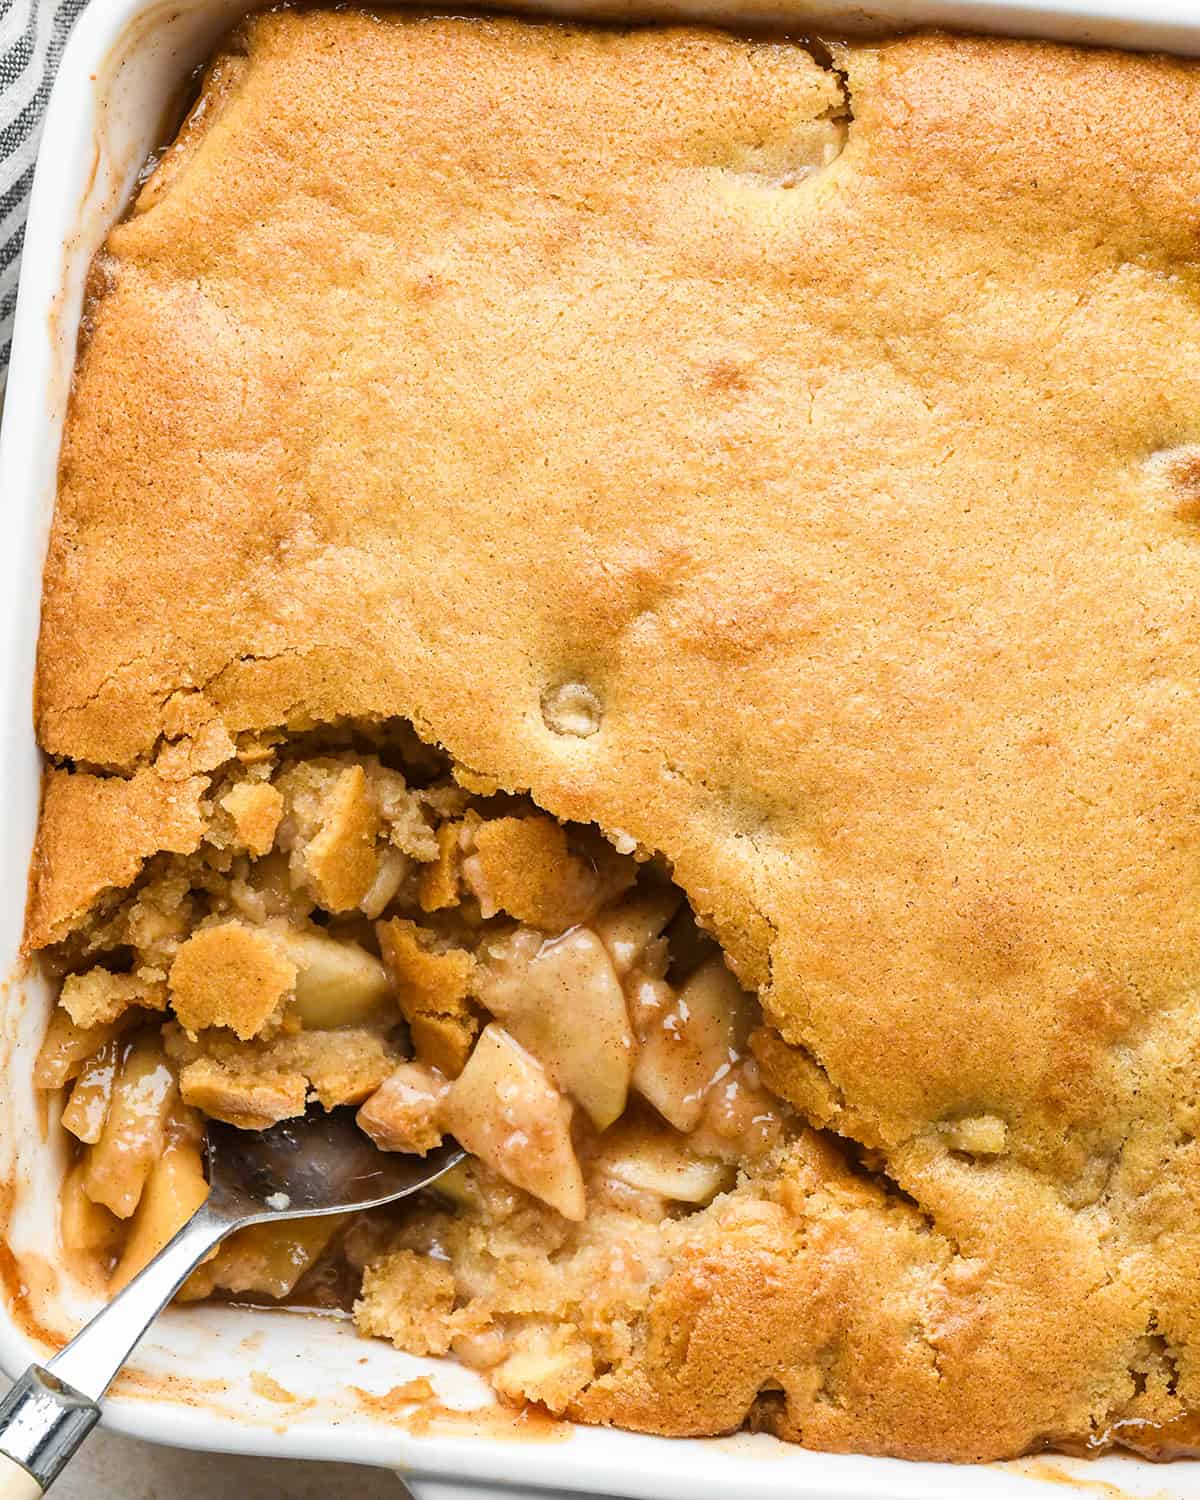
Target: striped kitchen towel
[(32, 35)]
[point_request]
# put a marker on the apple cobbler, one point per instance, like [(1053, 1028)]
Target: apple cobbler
[(768, 469), (359, 927)]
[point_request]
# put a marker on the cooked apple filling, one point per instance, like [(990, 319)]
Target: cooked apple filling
[(364, 926)]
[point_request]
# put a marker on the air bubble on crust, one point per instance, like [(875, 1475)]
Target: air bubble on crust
[(976, 1135), (572, 708), (808, 150), (824, 149)]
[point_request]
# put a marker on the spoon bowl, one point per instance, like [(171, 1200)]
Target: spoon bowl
[(319, 1163)]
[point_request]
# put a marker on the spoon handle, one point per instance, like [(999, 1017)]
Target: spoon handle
[(42, 1422), (50, 1411)]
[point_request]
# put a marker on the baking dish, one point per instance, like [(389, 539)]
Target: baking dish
[(195, 1381)]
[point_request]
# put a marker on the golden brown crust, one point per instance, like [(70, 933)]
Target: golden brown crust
[(837, 495), (254, 1084), (525, 869), (255, 809), (433, 991), (794, 1075), (341, 858), (231, 975), (95, 834), (438, 883), (252, 1098)]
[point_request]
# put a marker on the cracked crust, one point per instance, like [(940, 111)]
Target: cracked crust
[(519, 365), (95, 834)]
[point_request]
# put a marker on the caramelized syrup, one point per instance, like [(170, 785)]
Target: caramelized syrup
[(1159, 1442)]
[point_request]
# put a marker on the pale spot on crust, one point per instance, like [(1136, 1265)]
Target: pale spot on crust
[(799, 149), (978, 1135), (572, 708)]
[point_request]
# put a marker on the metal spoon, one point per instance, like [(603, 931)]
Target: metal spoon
[(320, 1164)]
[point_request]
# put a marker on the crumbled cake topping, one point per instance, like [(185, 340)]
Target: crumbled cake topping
[(407, 1298), (340, 856), (405, 1113), (255, 809), (551, 1010), (522, 866), (230, 975), (433, 986), (99, 997)]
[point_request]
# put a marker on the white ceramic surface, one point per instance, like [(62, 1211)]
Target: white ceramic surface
[(191, 1381), (112, 1467)]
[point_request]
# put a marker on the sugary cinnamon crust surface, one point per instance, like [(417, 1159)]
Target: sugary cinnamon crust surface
[(826, 525)]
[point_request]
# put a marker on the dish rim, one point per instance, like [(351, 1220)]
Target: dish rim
[(80, 187)]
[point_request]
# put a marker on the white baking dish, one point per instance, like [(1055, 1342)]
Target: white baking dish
[(191, 1383)]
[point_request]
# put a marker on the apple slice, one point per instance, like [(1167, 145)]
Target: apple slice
[(174, 1190), (685, 1045), (265, 1258), (67, 1048), (131, 1141), (402, 1114), (658, 1160), (562, 999), (91, 1096), (503, 1109), (628, 930), (337, 982), (87, 1227)]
